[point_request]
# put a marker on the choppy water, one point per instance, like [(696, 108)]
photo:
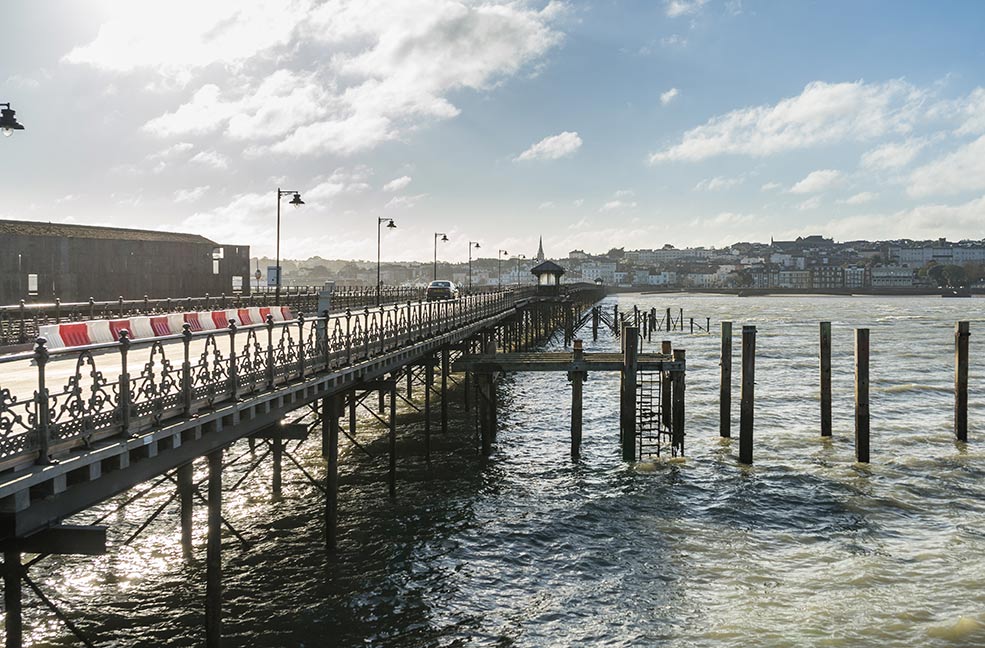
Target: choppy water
[(806, 548)]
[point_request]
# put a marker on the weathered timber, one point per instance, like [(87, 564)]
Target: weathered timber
[(962, 331), (677, 379), (213, 555), (185, 499), (627, 405), (331, 411), (665, 387), (825, 361), (61, 539), (862, 395), (393, 439), (577, 379), (561, 361), (748, 398), (12, 603), (725, 385)]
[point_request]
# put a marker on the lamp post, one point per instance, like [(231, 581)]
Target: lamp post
[(297, 202), (379, 229), (518, 257), (499, 258), (472, 244), (444, 239), (8, 123)]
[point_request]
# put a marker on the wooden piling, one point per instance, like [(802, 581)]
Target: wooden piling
[(666, 389), (595, 323), (677, 419), (12, 604), (392, 473), (862, 395), (692, 325), (213, 554), (628, 397), (428, 382), (825, 361), (445, 368), (185, 494), (577, 378), (352, 412), (725, 384), (276, 480), (331, 410), (962, 331), (748, 398)]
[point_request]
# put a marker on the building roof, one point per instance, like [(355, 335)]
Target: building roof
[(68, 230), (546, 267)]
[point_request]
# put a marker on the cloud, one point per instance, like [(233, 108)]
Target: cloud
[(817, 181), (674, 40), (397, 184), (405, 202), (548, 204), (962, 170), (552, 148), (972, 108), (921, 222), (190, 195), (617, 205), (677, 8), (212, 159), (771, 186), (823, 113), (860, 198), (892, 155), (624, 193), (718, 183), (578, 202), (667, 97), (811, 203), (390, 68)]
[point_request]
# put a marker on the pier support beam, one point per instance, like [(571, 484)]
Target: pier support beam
[(962, 331), (595, 323), (677, 429), (331, 411), (393, 439), (862, 395), (665, 388), (725, 387), (13, 613), (825, 359), (444, 388), (748, 400), (213, 559), (428, 386), (185, 498), (277, 477), (577, 379), (627, 404)]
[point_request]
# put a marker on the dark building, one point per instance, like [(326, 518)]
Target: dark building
[(41, 261)]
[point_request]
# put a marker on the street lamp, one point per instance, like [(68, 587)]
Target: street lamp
[(8, 123), (472, 244), (379, 228), (500, 256), (444, 239), (518, 257), (297, 202)]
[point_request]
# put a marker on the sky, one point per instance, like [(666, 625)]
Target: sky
[(617, 123)]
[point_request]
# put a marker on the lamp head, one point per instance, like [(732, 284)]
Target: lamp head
[(296, 200), (391, 225), (444, 238), (477, 246), (9, 123)]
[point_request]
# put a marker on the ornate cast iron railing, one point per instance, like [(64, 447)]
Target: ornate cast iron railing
[(132, 386)]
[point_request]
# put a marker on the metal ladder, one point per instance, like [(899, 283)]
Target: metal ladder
[(652, 435)]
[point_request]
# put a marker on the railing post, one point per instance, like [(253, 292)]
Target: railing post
[(41, 398), (92, 309), (120, 301), (325, 338), (348, 336), (124, 383), (146, 305), (23, 333), (271, 374), (186, 369), (366, 331), (301, 345), (58, 310), (233, 368)]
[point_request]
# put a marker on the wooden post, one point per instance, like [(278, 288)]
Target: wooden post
[(410, 381), (595, 323), (428, 386), (677, 429), (825, 379), (692, 325), (444, 389), (276, 481), (962, 331), (185, 493), (665, 388), (669, 321), (483, 380), (13, 612), (393, 439), (382, 402), (747, 404), (628, 404), (213, 555), (862, 395), (577, 378), (352, 412), (331, 407), (725, 386)]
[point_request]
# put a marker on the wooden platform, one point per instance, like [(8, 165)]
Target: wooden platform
[(564, 361)]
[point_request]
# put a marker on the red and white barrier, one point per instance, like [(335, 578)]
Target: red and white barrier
[(60, 336)]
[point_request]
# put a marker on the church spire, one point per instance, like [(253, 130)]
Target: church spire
[(540, 249)]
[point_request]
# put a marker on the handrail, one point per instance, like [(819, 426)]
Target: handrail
[(111, 393)]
